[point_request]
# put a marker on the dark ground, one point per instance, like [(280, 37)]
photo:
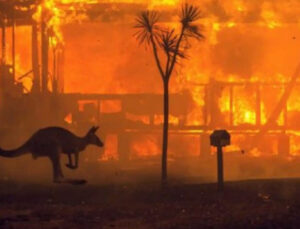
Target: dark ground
[(246, 204)]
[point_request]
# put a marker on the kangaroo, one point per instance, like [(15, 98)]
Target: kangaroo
[(51, 142)]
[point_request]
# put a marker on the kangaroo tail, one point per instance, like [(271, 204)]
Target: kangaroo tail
[(11, 153)]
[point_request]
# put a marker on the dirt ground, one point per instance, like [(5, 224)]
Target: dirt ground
[(245, 204)]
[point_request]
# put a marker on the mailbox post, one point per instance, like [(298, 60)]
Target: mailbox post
[(219, 139), (220, 168)]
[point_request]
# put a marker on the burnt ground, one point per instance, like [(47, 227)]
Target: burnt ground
[(244, 204)]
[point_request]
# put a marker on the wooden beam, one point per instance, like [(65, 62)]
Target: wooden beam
[(45, 52), (36, 87), (3, 59)]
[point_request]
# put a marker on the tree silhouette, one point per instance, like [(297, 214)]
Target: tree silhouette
[(172, 45)]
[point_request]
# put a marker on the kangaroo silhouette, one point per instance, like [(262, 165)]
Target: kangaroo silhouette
[(51, 142)]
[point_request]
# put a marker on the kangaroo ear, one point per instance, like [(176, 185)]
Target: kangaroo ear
[(94, 129)]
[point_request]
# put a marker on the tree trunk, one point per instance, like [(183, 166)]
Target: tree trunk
[(165, 133)]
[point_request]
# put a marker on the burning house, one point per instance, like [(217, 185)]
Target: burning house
[(76, 63)]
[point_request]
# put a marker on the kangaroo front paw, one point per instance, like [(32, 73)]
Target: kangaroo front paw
[(58, 180), (70, 181), (79, 182), (71, 166)]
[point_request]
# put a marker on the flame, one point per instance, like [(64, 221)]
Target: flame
[(269, 16), (255, 152), (243, 108), (158, 120), (110, 106), (295, 144), (111, 149), (145, 147), (69, 119)]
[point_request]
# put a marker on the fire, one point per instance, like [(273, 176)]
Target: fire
[(54, 22), (246, 43), (145, 147), (154, 3), (158, 120), (77, 1), (110, 151), (56, 16), (244, 108), (255, 152), (295, 146), (269, 16)]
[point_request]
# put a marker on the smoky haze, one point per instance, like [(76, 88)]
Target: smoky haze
[(102, 56), (185, 164)]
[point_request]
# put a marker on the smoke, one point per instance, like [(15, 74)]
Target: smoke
[(109, 57), (238, 52)]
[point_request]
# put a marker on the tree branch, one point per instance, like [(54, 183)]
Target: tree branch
[(156, 57), (173, 60), (167, 64)]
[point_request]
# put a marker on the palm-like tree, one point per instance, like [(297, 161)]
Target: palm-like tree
[(172, 45)]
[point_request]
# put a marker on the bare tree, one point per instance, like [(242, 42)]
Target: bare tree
[(172, 44)]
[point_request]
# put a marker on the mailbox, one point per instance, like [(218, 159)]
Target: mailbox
[(220, 138)]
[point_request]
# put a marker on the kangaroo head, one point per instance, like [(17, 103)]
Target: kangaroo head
[(92, 138)]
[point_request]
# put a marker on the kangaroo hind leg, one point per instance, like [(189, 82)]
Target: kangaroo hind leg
[(57, 172), (70, 164)]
